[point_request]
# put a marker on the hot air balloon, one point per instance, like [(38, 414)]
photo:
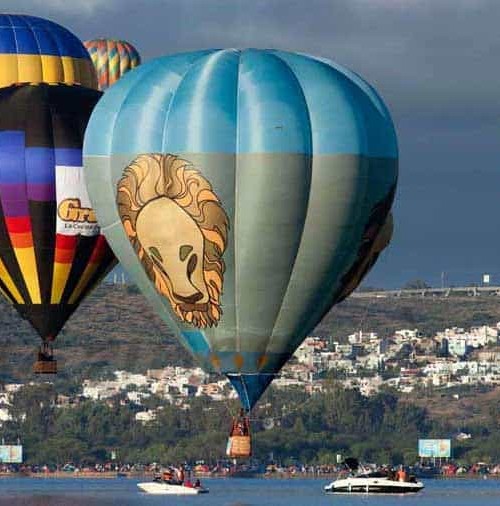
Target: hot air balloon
[(34, 50), (112, 59), (51, 250), (245, 192)]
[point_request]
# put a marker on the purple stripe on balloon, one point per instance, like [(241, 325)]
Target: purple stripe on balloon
[(13, 191), (13, 208), (14, 199), (42, 192), (32, 191)]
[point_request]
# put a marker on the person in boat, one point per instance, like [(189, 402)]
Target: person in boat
[(168, 476), (177, 476), (197, 483), (402, 475)]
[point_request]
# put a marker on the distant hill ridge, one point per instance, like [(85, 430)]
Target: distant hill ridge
[(115, 328)]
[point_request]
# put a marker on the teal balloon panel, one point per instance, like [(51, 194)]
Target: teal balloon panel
[(245, 192)]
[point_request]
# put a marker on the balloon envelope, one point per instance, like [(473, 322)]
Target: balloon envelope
[(51, 249), (34, 50), (245, 192), (112, 59)]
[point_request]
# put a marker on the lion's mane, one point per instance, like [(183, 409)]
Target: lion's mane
[(151, 176)]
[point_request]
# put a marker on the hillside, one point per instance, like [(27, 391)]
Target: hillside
[(385, 315), (115, 328)]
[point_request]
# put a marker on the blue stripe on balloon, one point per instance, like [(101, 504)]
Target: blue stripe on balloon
[(31, 35), (250, 387), (287, 103), (25, 38), (39, 165), (272, 113), (41, 162), (207, 95), (381, 139), (132, 118), (7, 40), (33, 165), (196, 342), (12, 157), (70, 157)]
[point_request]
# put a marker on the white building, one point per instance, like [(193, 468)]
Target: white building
[(145, 416)]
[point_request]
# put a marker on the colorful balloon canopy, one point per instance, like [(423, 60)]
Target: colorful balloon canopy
[(51, 249), (246, 192), (34, 50), (112, 59)]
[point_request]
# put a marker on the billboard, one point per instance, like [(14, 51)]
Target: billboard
[(11, 454), (434, 448)]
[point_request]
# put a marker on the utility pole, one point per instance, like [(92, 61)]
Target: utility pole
[(442, 279)]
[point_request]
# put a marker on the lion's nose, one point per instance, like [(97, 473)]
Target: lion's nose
[(189, 299)]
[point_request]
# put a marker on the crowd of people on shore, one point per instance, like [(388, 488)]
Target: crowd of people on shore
[(227, 468)]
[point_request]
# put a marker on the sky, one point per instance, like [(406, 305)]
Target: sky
[(434, 62)]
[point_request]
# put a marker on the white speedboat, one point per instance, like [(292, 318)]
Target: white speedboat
[(372, 483), (163, 488), (364, 481)]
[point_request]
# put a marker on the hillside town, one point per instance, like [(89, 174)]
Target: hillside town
[(405, 361)]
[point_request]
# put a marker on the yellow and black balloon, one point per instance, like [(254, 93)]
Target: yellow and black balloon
[(112, 59), (51, 250), (35, 50)]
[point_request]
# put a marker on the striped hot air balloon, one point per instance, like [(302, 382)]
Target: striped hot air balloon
[(34, 50), (249, 193), (112, 59), (51, 249)]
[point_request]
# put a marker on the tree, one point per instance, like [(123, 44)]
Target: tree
[(416, 284)]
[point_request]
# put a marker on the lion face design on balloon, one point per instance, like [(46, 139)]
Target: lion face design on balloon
[(178, 228)]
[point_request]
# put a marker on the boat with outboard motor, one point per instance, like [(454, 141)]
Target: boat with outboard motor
[(163, 488), (362, 480), (171, 481)]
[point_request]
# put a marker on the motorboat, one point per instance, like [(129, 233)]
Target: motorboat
[(365, 481), (163, 488)]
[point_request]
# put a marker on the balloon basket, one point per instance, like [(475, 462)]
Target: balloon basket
[(45, 367), (239, 444), (45, 363), (239, 447)]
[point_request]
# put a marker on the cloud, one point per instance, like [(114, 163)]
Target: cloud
[(433, 62), (42, 8)]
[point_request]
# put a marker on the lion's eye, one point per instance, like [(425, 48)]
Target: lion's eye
[(191, 266), (184, 251), (155, 253)]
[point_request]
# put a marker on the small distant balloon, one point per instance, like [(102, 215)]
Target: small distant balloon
[(36, 50), (112, 59)]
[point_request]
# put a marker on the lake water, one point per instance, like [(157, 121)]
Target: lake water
[(237, 492)]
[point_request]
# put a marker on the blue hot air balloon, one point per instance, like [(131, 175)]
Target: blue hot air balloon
[(246, 192)]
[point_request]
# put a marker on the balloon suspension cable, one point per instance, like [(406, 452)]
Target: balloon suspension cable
[(229, 408)]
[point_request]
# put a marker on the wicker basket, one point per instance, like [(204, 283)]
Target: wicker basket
[(45, 367), (239, 447)]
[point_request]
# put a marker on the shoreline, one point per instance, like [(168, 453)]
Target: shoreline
[(106, 475)]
